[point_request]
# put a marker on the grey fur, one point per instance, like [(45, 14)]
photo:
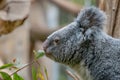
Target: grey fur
[(84, 47)]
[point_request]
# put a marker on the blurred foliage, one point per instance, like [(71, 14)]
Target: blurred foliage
[(17, 77), (82, 2), (5, 76), (37, 73), (63, 75), (93, 2), (38, 54), (79, 2), (66, 17), (6, 66), (34, 73)]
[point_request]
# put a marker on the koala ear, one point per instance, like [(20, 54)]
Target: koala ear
[(90, 17), (92, 32)]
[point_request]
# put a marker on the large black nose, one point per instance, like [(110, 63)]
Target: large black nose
[(45, 45)]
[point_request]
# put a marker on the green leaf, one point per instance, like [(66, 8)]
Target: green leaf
[(17, 77), (39, 54), (40, 75), (34, 73), (5, 76), (6, 66), (46, 73)]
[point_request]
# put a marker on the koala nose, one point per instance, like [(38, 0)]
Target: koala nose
[(45, 45)]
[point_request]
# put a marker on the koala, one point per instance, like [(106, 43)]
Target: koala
[(85, 47)]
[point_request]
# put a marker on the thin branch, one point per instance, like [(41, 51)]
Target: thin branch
[(74, 76), (24, 67)]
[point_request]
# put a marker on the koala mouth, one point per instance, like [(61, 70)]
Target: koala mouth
[(47, 51), (48, 54)]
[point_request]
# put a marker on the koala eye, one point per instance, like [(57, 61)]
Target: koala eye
[(56, 40)]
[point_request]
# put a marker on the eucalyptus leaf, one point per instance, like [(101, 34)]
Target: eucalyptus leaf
[(5, 76), (6, 66), (34, 73), (39, 54), (17, 77), (46, 73)]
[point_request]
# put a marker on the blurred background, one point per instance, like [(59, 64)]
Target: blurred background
[(45, 17)]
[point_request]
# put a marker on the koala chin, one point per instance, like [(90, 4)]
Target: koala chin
[(85, 47)]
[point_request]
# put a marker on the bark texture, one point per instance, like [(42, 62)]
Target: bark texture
[(112, 9), (13, 14)]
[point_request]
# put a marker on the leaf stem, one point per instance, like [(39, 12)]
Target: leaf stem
[(24, 67)]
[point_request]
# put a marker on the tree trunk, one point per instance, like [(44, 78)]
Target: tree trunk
[(112, 9), (12, 15)]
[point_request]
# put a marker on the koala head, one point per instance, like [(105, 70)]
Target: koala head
[(66, 45)]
